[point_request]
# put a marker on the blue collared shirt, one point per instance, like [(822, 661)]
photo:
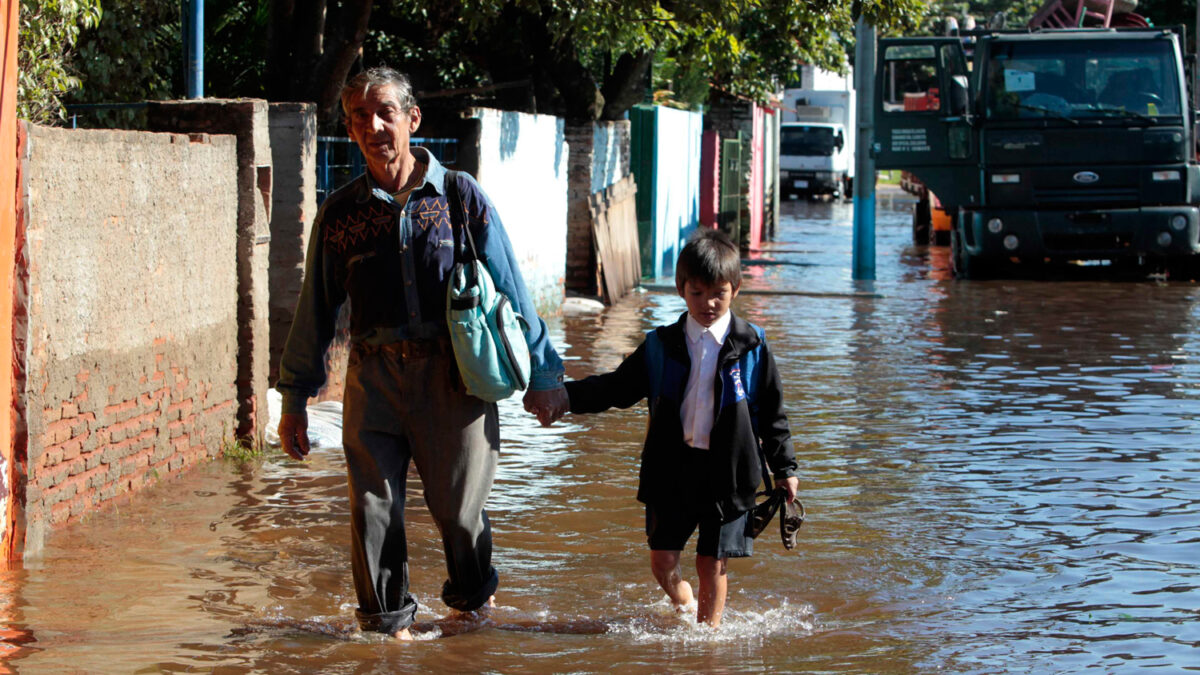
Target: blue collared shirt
[(393, 262)]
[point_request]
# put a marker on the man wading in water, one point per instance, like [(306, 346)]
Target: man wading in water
[(385, 242)]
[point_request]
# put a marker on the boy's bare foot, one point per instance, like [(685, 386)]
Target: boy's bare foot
[(403, 634)]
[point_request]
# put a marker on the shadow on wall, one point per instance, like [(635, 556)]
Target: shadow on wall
[(510, 133), (560, 145)]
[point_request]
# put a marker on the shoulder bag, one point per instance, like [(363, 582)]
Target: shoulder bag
[(487, 334)]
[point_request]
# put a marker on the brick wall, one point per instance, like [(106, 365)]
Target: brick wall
[(128, 334), (581, 273), (599, 159)]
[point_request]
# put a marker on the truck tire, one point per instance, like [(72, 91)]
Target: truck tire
[(964, 265), (922, 221)]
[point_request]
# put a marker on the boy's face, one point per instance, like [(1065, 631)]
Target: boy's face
[(707, 303)]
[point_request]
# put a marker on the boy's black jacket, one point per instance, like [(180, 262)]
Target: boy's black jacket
[(733, 472)]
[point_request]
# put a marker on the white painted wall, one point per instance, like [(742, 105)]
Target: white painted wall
[(523, 169), (677, 184), (610, 154)]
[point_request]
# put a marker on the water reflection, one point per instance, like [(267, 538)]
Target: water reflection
[(1000, 476)]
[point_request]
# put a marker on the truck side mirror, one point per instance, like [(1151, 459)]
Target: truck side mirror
[(960, 96), (839, 140)]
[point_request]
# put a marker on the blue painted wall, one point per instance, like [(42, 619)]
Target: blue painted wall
[(666, 165)]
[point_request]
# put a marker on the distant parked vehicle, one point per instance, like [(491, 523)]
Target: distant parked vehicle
[(816, 149), (814, 160)]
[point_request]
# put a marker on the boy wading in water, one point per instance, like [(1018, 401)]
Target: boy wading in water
[(714, 395)]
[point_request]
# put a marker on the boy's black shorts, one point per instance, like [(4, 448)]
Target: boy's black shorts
[(668, 527)]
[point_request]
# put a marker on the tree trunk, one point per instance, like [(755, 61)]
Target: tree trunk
[(312, 44), (625, 86)]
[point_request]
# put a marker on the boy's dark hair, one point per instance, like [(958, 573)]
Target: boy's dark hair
[(709, 257)]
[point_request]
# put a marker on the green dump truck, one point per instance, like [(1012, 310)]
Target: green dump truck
[(1054, 147)]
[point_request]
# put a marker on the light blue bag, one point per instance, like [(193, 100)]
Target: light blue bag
[(487, 334)]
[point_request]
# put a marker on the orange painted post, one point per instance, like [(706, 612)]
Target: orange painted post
[(8, 223)]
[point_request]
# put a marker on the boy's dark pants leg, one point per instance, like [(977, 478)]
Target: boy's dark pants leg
[(397, 411)]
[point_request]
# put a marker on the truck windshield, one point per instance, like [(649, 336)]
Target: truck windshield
[(1073, 80), (808, 141)]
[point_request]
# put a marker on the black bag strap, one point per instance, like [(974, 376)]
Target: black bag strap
[(458, 218), (458, 221)]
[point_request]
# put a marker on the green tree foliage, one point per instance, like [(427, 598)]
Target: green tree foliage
[(589, 59), (133, 54), (48, 30), (235, 48)]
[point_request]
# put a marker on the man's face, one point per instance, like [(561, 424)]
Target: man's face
[(707, 303), (380, 127)]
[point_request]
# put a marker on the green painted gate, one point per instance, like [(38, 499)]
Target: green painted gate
[(643, 131), (729, 217)]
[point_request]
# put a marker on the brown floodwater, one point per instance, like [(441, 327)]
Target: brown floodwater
[(1000, 477)]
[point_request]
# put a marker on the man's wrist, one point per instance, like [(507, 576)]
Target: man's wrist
[(294, 404), (546, 380)]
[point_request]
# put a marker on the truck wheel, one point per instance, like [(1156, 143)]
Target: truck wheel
[(963, 264), (848, 190), (921, 222)]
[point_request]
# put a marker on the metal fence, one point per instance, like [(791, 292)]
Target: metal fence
[(339, 160)]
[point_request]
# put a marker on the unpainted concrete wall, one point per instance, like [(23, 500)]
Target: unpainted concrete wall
[(523, 169), (130, 341), (293, 128), (247, 120)]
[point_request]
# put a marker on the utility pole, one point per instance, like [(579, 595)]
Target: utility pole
[(864, 162), (193, 48)]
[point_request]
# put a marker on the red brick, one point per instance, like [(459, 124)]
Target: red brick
[(57, 432), (118, 408), (60, 512), (51, 456)]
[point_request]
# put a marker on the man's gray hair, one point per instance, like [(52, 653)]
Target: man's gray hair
[(379, 76)]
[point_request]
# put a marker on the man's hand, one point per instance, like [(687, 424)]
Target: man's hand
[(293, 433), (791, 484), (548, 405)]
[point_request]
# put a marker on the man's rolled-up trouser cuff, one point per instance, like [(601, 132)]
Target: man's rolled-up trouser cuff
[(469, 603), (388, 622)]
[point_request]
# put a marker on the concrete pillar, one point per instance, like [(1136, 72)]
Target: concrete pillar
[(248, 121), (293, 130), (582, 270)]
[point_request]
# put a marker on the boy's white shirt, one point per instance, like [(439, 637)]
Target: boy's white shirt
[(704, 345)]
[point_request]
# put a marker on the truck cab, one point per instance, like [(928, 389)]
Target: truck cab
[(1057, 146), (814, 158)]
